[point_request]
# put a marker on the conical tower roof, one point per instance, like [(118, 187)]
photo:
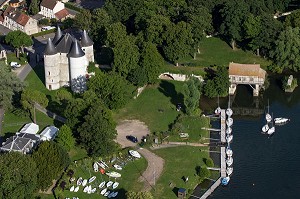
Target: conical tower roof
[(50, 48), (58, 35), (76, 50), (86, 40)]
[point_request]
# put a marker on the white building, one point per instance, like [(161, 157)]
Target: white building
[(53, 9), (13, 19), (49, 133), (66, 60), (30, 128)]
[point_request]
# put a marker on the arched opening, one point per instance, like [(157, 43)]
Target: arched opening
[(166, 77)]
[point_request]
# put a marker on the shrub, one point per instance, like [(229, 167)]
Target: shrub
[(209, 162)]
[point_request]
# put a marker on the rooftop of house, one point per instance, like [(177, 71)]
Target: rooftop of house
[(246, 70), (16, 15), (62, 14), (49, 4)]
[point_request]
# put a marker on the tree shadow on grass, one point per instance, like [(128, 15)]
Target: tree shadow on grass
[(175, 190), (168, 89)]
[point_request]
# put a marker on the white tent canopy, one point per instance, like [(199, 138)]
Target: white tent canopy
[(30, 128), (49, 133)]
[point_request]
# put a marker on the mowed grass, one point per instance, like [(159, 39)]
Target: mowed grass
[(156, 106), (12, 123), (129, 180), (214, 51), (180, 162), (192, 125)]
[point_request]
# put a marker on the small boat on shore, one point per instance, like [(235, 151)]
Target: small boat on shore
[(109, 183), (229, 138), (281, 120), (228, 130), (96, 167), (72, 188), (225, 181), (107, 193), (93, 190), (115, 185), (118, 167), (113, 174), (76, 189), (103, 191), (229, 170), (92, 179), (134, 154), (101, 185), (218, 111), (79, 181), (84, 182), (268, 117), (229, 122), (229, 161)]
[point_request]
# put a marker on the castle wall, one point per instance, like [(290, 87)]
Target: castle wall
[(89, 53), (64, 70), (52, 71), (78, 71)]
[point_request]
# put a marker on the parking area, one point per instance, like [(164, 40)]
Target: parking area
[(131, 127)]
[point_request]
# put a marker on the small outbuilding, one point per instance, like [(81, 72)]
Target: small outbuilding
[(49, 133), (181, 193)]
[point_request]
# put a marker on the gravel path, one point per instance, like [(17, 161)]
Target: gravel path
[(155, 163)]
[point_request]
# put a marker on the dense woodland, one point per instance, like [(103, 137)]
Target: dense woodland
[(137, 38)]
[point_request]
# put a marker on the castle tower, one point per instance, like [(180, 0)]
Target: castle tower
[(78, 68), (57, 36), (51, 65), (87, 46)]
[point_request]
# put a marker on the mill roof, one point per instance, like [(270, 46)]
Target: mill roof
[(246, 70), (61, 14), (50, 48)]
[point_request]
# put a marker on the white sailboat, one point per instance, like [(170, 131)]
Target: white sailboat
[(229, 111), (280, 120), (271, 130), (229, 138), (229, 170), (268, 116), (265, 128), (218, 110), (229, 161), (229, 122), (229, 152), (228, 130)]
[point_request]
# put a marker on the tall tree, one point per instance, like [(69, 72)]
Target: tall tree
[(233, 15), (65, 137), (9, 85), (98, 132), (74, 112), (286, 54), (34, 7), (51, 159), (191, 92), (30, 97), (83, 20), (111, 88), (252, 28), (18, 40), (18, 176), (178, 41), (100, 20)]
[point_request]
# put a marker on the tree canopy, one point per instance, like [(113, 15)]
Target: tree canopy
[(138, 195), (65, 137), (18, 40), (191, 92), (51, 159), (18, 176)]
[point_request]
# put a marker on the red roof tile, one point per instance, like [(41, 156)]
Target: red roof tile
[(61, 14), (49, 4)]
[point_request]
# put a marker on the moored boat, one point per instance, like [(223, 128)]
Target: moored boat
[(271, 131), (229, 138), (103, 191), (115, 185), (79, 181), (92, 179), (229, 122), (265, 128), (134, 154), (229, 112), (281, 120), (102, 184), (229, 161), (228, 130), (225, 181), (218, 111), (229, 152), (229, 170), (109, 183)]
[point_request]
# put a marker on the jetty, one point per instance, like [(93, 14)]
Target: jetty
[(222, 168)]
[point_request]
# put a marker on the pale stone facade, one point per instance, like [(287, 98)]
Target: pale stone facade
[(50, 7)]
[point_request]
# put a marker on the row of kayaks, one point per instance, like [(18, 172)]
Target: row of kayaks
[(84, 182)]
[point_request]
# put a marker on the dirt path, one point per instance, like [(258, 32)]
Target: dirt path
[(155, 163)]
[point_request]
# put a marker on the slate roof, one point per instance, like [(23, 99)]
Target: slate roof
[(65, 43), (62, 14), (76, 50), (246, 70), (50, 48), (86, 40), (49, 4), (15, 143), (58, 35)]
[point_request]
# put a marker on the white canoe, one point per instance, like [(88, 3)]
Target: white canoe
[(107, 193), (79, 181), (109, 183), (96, 167), (115, 185), (134, 154), (103, 191), (76, 189), (102, 184), (118, 167), (92, 179), (113, 174), (72, 188), (84, 182), (93, 190)]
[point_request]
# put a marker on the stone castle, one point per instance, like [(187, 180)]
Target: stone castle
[(66, 60)]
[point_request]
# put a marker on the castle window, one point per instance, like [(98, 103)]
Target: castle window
[(48, 72)]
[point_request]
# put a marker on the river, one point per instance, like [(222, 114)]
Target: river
[(265, 167)]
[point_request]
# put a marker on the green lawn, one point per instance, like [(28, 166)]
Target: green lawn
[(128, 181), (12, 123), (156, 106), (214, 51), (179, 162), (192, 125), (11, 57)]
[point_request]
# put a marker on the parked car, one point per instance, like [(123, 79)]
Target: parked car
[(132, 138), (15, 65)]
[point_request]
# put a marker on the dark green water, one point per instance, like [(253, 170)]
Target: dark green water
[(265, 167)]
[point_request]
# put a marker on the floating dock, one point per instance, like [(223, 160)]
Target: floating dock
[(211, 189)]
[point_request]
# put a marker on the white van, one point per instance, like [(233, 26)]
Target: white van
[(47, 28), (15, 65)]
